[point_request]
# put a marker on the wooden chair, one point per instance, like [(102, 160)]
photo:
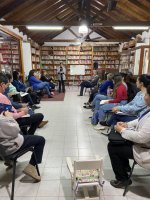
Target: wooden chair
[(86, 174)]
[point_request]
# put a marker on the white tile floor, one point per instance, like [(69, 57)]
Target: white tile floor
[(68, 133)]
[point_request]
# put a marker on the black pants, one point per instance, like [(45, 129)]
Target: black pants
[(33, 122), (85, 84), (119, 156), (38, 142), (62, 86), (27, 99)]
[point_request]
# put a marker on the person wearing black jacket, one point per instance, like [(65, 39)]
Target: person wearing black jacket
[(44, 78), (89, 83)]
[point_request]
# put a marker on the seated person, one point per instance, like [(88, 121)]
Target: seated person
[(44, 78), (89, 83), (32, 121), (138, 132), (119, 98), (11, 91), (38, 84), (131, 110), (19, 85), (11, 141), (103, 89)]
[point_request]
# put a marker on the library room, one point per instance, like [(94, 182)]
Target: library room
[(74, 99)]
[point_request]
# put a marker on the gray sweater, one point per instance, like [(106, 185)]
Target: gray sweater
[(138, 132), (10, 138)]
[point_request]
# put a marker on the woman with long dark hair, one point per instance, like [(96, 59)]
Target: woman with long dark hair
[(119, 98), (38, 84)]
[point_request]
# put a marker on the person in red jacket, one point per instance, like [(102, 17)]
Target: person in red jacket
[(105, 103)]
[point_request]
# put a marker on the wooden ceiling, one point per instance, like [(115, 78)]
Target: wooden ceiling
[(45, 12)]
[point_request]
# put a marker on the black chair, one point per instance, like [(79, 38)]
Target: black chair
[(127, 184), (13, 158), (130, 175)]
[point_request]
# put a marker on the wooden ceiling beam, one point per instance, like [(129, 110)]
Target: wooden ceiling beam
[(9, 8), (130, 10), (107, 40), (47, 10), (25, 11), (140, 6), (106, 23)]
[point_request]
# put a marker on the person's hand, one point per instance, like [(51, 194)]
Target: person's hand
[(123, 124), (118, 128), (115, 109), (25, 110), (8, 114)]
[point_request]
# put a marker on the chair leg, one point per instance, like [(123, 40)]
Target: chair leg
[(127, 184), (37, 168), (13, 180)]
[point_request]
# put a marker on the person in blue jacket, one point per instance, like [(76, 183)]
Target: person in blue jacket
[(19, 85), (38, 84)]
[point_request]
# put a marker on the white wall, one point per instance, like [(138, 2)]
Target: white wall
[(26, 57)]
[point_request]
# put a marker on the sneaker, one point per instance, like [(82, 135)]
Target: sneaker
[(99, 127), (87, 103), (35, 107), (104, 123), (43, 123), (31, 171), (87, 107), (119, 184)]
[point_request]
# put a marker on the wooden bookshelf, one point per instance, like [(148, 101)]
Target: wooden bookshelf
[(135, 60), (107, 56), (35, 55), (10, 52)]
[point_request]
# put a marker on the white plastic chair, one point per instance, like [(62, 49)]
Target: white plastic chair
[(86, 174)]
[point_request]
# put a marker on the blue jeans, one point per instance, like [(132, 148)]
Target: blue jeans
[(97, 99), (44, 85), (103, 109), (120, 118)]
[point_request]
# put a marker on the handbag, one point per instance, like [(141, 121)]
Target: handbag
[(117, 138)]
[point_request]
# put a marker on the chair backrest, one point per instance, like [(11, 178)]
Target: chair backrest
[(89, 165)]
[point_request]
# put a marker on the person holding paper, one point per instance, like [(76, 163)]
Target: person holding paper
[(119, 98), (25, 97), (131, 110), (61, 71), (32, 121)]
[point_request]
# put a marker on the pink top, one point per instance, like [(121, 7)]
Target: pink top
[(5, 100)]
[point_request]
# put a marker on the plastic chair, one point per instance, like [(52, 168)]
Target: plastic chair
[(85, 174), (13, 158)]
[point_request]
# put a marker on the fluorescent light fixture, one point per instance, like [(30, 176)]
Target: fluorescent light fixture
[(45, 27), (83, 29), (130, 27)]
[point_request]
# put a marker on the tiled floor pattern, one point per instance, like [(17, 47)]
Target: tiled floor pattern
[(68, 133)]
